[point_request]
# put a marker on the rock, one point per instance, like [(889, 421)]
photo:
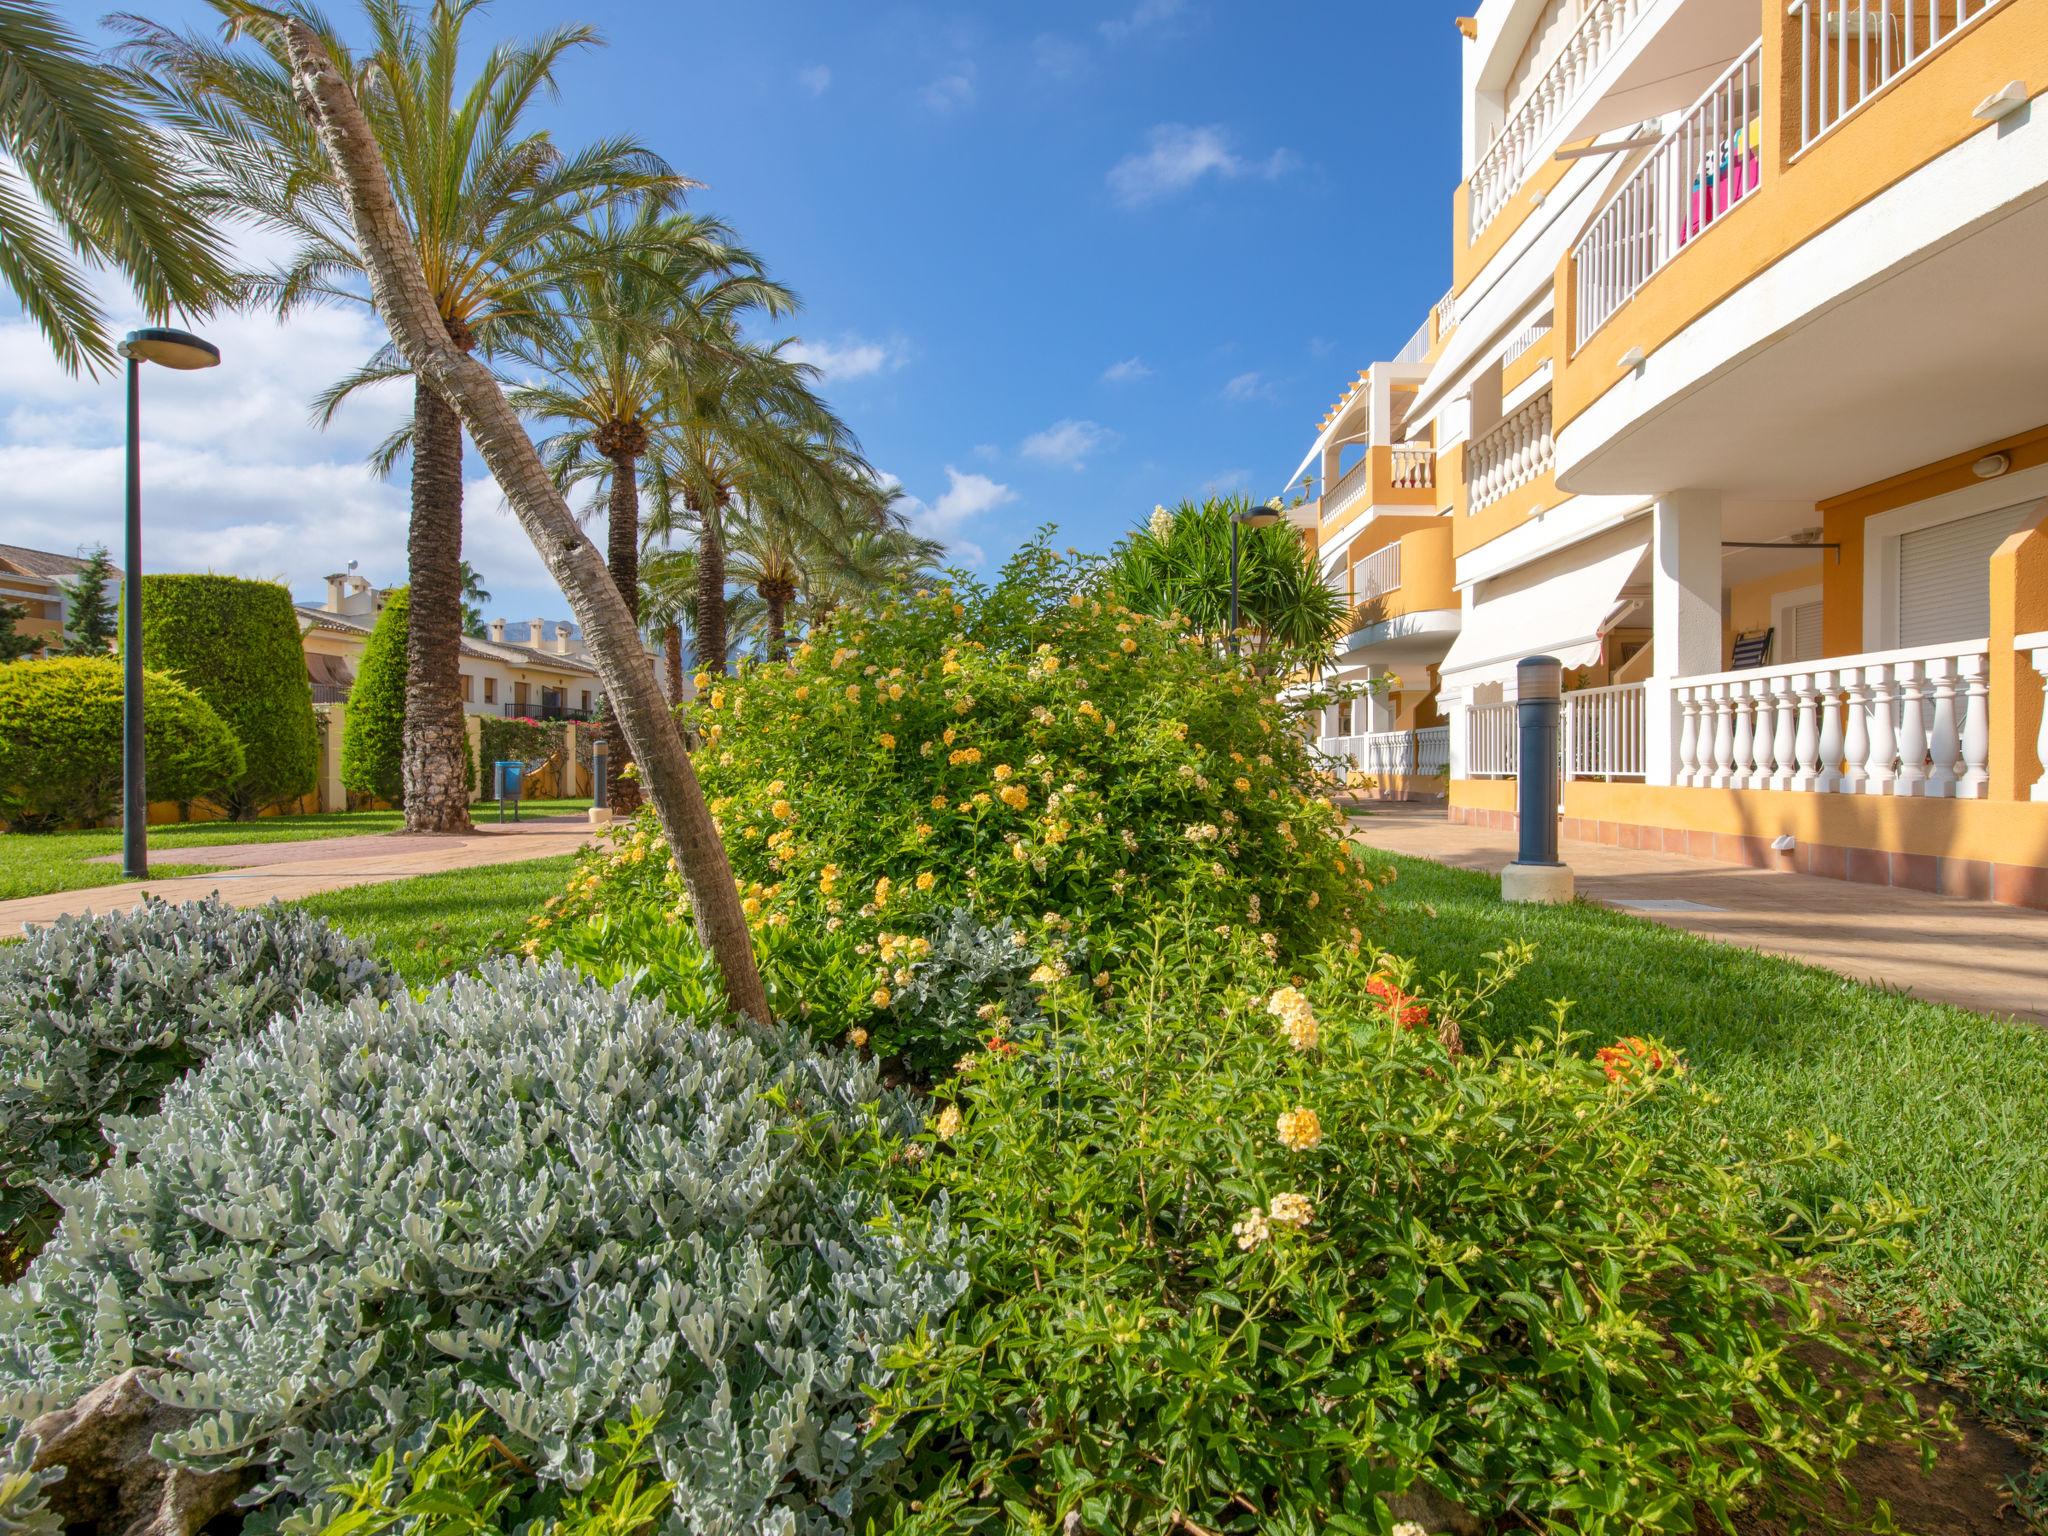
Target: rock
[(1423, 1511), (111, 1483)]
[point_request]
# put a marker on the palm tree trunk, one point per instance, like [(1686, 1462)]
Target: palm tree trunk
[(434, 765), (623, 560), (672, 655), (711, 590), (778, 637), (407, 307)]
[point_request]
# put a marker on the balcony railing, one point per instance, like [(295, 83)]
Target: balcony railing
[(1700, 170), (1603, 732), (1378, 573), (1506, 163), (1849, 50), (2034, 648), (1350, 487), (1519, 450), (1492, 736), (1523, 343), (1417, 346), (1913, 722), (1413, 468), (1391, 755)]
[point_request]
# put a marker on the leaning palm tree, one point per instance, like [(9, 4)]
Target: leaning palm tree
[(487, 201), (83, 177), (405, 298)]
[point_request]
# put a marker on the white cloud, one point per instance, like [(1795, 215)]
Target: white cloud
[(1061, 58), (1068, 444), (952, 90), (1227, 483), (1177, 156), (1129, 371), (1248, 386), (966, 497), (851, 357), (1149, 16), (987, 451), (815, 78)]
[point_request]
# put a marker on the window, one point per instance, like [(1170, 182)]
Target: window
[(1800, 639), (586, 701), (490, 690), (468, 687), (1945, 575)]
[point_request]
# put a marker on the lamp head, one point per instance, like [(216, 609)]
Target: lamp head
[(1259, 517), (170, 348)]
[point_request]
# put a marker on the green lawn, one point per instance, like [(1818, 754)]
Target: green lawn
[(1942, 1106), (36, 864), (432, 924)]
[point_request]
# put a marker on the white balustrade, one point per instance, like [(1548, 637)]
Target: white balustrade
[(1699, 171), (1417, 346), (1491, 741), (1514, 453), (1389, 755), (1512, 155), (1432, 750), (1849, 50), (1603, 732), (1350, 486), (2034, 648), (1524, 342), (1414, 467), (1913, 722), (1445, 314), (1378, 573)]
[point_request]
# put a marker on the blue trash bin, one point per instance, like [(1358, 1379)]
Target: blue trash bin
[(511, 775)]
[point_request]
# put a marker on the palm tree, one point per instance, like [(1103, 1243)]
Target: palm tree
[(819, 524), (668, 601), (870, 558), (491, 205), (97, 181), (474, 596), (405, 298)]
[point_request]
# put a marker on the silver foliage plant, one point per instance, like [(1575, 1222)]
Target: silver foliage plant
[(519, 1191), (98, 1014)]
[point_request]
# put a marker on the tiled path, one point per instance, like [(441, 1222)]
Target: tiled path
[(1975, 954), (260, 872)]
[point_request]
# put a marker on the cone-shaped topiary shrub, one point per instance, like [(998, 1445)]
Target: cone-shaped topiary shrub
[(99, 1014), (236, 644), (373, 730), (518, 1192), (60, 742)]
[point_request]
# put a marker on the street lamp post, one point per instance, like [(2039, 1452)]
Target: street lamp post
[(171, 349), (1250, 517)]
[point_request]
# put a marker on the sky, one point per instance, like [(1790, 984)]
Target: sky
[(1059, 262)]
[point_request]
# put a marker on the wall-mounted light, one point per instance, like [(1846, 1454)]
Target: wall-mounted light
[(1783, 843), (1991, 466), (2003, 102), (1633, 358)]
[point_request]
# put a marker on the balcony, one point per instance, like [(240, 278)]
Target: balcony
[(1517, 452), (1400, 475), (1806, 286)]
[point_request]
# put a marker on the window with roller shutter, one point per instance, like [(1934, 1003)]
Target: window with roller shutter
[(1945, 576)]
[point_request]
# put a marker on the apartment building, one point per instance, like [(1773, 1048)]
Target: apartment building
[(1738, 406), (34, 580)]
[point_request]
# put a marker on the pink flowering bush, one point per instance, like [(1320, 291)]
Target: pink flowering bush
[(1252, 1252), (1031, 753)]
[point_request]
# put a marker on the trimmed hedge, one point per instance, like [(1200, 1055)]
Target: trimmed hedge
[(373, 734), (236, 644), (60, 742)]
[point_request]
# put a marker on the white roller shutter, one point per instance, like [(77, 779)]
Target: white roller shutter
[(1802, 640), (1945, 575)]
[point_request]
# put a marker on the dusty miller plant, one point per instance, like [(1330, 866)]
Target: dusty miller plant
[(519, 1192)]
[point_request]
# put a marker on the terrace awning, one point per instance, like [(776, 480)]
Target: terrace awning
[(1563, 607)]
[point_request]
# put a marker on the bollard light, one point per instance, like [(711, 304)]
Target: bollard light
[(1537, 874), (600, 791)]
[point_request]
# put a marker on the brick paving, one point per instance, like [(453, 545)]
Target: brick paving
[(1975, 954)]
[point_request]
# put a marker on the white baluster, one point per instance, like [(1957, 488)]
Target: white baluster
[(1912, 729), (1745, 735), (1976, 745), (1806, 738), (1856, 727), (1878, 772), (1762, 741), (1724, 735), (2040, 789), (1830, 777), (1785, 743), (1944, 744), (1688, 735)]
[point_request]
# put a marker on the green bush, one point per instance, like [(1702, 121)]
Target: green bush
[(60, 742), (236, 644), (373, 731), (514, 737), (99, 1014), (518, 1192), (1243, 1262), (1031, 752)]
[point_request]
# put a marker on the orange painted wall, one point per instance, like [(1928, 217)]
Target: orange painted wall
[(1920, 116), (1507, 514), (1469, 259)]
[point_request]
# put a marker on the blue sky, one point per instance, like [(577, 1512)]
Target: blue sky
[(1060, 262)]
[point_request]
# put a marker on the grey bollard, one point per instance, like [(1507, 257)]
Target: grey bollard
[(1537, 874)]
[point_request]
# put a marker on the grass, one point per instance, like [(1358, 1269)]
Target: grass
[(1934, 1103), (39, 863), (430, 925)]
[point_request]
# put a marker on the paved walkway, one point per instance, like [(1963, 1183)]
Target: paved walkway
[(261, 872), (1976, 954)]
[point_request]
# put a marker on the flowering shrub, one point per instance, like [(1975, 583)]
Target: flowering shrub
[(1032, 752), (1277, 1257)]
